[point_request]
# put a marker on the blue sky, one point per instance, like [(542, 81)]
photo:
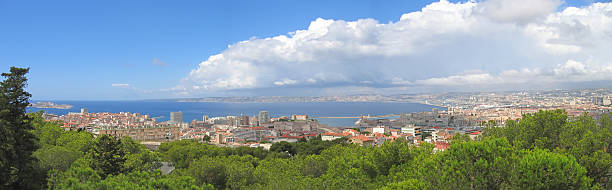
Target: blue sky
[(103, 50)]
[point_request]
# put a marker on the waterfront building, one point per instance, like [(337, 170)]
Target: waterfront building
[(263, 117), (299, 117), (176, 117), (84, 111)]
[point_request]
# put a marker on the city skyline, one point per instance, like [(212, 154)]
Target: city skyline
[(136, 50)]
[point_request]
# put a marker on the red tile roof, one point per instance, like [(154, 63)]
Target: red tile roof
[(361, 138), (335, 134)]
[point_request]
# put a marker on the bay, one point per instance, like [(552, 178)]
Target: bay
[(195, 110)]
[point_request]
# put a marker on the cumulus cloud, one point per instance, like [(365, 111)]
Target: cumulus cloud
[(444, 43), (122, 85), (519, 11)]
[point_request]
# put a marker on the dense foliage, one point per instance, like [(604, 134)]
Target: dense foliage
[(545, 150), (499, 160), (583, 138)]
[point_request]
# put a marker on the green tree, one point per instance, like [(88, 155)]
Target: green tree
[(150, 180), (391, 154), (87, 178), (183, 152), (56, 158), (410, 184), (47, 133), (144, 160), (209, 170), (473, 165), (540, 130), (460, 138), (284, 147), (314, 165), (108, 156), (240, 171), (206, 138), (586, 141), (541, 169), (580, 137), (349, 168), (606, 124), (258, 152), (17, 165), (76, 178), (279, 173), (58, 148)]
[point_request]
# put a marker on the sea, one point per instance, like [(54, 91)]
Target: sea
[(160, 110)]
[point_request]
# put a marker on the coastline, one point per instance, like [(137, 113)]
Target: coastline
[(195, 110)]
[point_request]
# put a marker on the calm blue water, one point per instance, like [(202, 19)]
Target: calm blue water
[(195, 110)]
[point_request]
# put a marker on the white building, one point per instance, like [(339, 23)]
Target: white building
[(332, 136), (378, 129), (263, 117), (411, 129), (299, 117), (607, 102)]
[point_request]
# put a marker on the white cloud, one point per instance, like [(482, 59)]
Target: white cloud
[(570, 68), (571, 71), (122, 85), (285, 82), (519, 11), (423, 48), (455, 80)]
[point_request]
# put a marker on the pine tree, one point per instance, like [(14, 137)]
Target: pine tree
[(108, 156), (17, 169)]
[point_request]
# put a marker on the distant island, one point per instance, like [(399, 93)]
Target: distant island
[(50, 105)]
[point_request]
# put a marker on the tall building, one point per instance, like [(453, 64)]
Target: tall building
[(404, 118), (244, 120), (598, 100), (204, 118), (84, 111), (176, 117), (263, 117)]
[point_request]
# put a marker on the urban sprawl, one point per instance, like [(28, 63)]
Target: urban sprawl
[(466, 113)]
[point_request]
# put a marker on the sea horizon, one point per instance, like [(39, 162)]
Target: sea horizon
[(160, 110)]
